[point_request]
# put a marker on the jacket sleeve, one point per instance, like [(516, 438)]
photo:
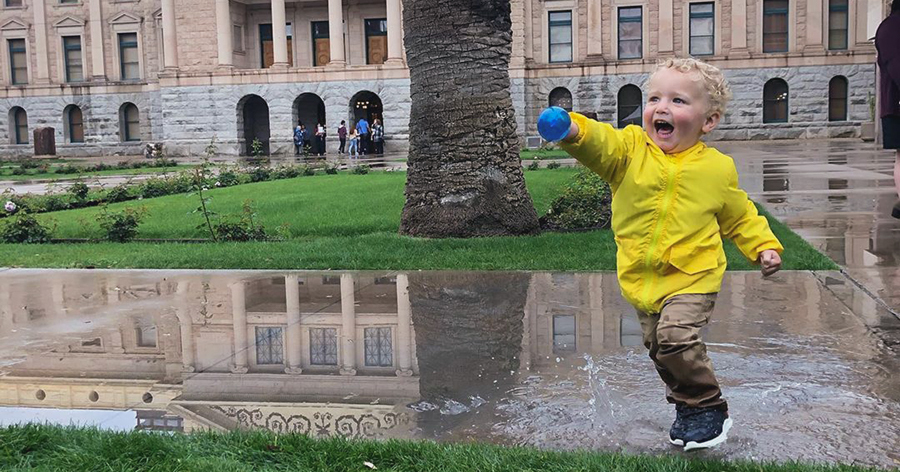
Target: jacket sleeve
[(741, 222), (888, 56), (600, 147)]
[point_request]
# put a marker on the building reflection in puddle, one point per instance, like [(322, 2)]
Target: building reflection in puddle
[(545, 359)]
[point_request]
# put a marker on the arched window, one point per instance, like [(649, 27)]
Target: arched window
[(837, 99), (561, 97), (630, 108), (19, 121), (775, 101), (74, 124), (130, 120)]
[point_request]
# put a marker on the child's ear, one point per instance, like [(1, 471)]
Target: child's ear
[(711, 122)]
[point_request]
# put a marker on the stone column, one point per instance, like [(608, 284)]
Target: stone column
[(98, 66), (336, 33), (404, 323), (739, 28), (348, 326), (170, 42), (394, 35), (239, 323), (186, 325), (529, 38), (223, 33), (293, 337), (666, 30), (279, 34), (814, 38), (42, 74), (595, 29)]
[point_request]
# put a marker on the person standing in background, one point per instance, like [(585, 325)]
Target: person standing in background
[(887, 43)]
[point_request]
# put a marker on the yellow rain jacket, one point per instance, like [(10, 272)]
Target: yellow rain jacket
[(669, 212)]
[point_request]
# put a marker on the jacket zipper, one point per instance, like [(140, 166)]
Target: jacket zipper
[(649, 275)]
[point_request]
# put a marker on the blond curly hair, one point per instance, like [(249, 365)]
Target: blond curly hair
[(717, 90)]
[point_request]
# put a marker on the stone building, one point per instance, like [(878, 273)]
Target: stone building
[(111, 75)]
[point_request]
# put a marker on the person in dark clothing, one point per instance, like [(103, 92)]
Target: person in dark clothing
[(378, 136), (298, 140), (887, 43), (342, 136)]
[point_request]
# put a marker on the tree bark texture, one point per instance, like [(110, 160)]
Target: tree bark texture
[(465, 178)]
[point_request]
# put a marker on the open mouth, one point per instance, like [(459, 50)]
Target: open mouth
[(664, 129)]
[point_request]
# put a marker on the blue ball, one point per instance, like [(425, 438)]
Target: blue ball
[(554, 123)]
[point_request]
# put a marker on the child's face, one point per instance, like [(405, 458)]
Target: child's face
[(677, 108)]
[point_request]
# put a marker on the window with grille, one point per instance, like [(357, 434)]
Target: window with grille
[(837, 99), (323, 346), (702, 29), (129, 59), (379, 349), (560, 29), (376, 41), (775, 25), (131, 123), (269, 346), (74, 68), (18, 62), (20, 125), (837, 24), (561, 97), (630, 106), (75, 120), (631, 43), (775, 101)]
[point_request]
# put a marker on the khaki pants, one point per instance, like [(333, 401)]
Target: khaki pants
[(673, 338)]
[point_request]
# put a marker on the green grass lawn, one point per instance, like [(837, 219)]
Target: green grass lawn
[(340, 221), (36, 447), (6, 174), (528, 154)]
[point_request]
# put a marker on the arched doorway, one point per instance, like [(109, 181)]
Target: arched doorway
[(366, 105), (253, 123), (630, 106), (561, 97), (309, 109)]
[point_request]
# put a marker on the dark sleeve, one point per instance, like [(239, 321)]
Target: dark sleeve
[(888, 40)]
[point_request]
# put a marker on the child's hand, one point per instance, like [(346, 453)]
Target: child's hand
[(554, 125), (770, 261)]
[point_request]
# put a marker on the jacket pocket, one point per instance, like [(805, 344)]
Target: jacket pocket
[(694, 259)]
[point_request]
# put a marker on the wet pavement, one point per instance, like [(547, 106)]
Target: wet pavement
[(551, 360)]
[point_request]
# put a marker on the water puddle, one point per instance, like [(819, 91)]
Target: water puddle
[(552, 360)]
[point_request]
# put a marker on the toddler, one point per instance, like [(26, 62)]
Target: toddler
[(674, 198)]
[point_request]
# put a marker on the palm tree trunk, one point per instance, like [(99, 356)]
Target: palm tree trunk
[(465, 178)]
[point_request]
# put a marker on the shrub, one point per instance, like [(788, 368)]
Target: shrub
[(121, 227), (164, 162), (155, 187), (56, 202), (28, 163), (24, 228), (260, 174), (554, 165), (309, 170), (119, 193), (361, 169), (286, 172), (79, 190), (535, 165), (67, 169), (227, 178), (242, 228), (19, 171), (332, 168), (583, 204)]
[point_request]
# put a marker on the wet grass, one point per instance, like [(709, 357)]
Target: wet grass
[(35, 447), (340, 221)]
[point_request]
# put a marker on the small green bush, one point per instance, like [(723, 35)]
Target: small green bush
[(56, 202), (67, 169), (332, 168), (155, 187), (584, 204), (260, 174), (119, 193), (534, 165), (286, 172), (28, 163), (309, 170), (243, 228), (361, 169), (24, 228), (554, 165), (19, 171), (121, 227), (79, 190), (227, 178)]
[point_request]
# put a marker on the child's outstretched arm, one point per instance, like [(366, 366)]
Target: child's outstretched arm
[(598, 146), (740, 222)]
